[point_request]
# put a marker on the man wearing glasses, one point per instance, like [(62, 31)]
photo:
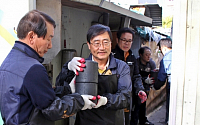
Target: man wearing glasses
[(122, 51), (114, 82)]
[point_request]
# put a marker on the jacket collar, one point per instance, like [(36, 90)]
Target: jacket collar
[(28, 51), (121, 52)]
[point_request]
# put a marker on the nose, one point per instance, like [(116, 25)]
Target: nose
[(50, 45), (102, 46), (126, 42)]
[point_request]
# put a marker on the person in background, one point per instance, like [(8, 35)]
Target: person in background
[(123, 52), (145, 65), (114, 82), (164, 73), (26, 94)]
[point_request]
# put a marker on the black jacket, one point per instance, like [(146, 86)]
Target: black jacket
[(145, 70), (134, 72)]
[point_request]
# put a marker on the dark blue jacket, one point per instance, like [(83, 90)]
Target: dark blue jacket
[(124, 84), (24, 86)]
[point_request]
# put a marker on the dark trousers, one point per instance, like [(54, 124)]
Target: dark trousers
[(135, 111), (167, 102), (139, 112), (127, 118), (142, 113)]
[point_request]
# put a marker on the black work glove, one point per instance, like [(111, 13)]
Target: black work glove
[(60, 91)]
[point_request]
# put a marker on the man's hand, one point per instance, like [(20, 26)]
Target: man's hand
[(156, 70), (142, 95), (149, 80), (76, 64), (88, 103), (101, 101)]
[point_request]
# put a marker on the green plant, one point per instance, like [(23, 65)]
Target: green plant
[(167, 22)]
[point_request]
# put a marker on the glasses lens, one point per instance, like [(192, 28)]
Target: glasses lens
[(130, 41), (106, 43), (126, 41), (99, 44), (96, 44)]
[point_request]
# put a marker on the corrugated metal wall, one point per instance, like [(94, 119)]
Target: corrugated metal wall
[(154, 12)]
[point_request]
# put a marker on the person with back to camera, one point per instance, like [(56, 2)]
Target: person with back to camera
[(164, 73), (114, 82), (26, 94), (145, 65), (123, 52)]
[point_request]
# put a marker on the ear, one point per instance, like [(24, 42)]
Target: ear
[(31, 37), (165, 49), (88, 45)]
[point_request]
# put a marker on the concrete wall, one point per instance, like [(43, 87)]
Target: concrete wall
[(75, 24), (53, 8)]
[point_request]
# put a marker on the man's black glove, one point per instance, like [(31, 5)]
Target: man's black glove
[(60, 91)]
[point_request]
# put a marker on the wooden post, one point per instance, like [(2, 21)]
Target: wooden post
[(185, 86)]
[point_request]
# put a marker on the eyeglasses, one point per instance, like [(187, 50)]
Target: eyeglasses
[(126, 41), (98, 44)]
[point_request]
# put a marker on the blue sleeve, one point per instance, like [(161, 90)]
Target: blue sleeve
[(162, 75), (124, 80), (38, 87)]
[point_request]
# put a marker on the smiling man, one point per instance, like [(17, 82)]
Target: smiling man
[(114, 82), (123, 52)]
